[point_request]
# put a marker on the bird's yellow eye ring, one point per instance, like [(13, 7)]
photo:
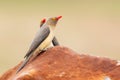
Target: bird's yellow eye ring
[(54, 18)]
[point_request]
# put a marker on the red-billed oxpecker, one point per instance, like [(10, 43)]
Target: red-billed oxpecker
[(42, 39)]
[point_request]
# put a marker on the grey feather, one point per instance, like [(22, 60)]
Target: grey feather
[(24, 63), (55, 41), (39, 38), (41, 35)]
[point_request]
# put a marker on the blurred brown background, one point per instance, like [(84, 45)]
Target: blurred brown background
[(88, 26)]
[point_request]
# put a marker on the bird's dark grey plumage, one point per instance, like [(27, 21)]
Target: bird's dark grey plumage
[(55, 41), (24, 63), (39, 38)]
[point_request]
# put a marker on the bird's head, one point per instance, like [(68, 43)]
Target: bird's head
[(42, 22), (53, 21)]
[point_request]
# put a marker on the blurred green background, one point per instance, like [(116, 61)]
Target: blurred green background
[(88, 27)]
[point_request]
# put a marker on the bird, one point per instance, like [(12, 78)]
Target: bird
[(42, 22), (42, 40), (54, 41)]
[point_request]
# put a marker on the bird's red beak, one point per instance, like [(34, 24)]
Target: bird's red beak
[(59, 17)]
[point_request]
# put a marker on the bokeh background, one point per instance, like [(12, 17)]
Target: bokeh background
[(88, 27)]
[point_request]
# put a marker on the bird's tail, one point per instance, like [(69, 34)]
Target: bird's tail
[(24, 63)]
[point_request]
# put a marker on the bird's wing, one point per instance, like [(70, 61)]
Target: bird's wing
[(55, 41), (41, 35)]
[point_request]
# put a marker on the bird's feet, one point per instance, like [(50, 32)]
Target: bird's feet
[(43, 51)]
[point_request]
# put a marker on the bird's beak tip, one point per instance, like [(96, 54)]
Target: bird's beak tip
[(59, 17)]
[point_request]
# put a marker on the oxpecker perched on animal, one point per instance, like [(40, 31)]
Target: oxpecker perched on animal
[(42, 39)]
